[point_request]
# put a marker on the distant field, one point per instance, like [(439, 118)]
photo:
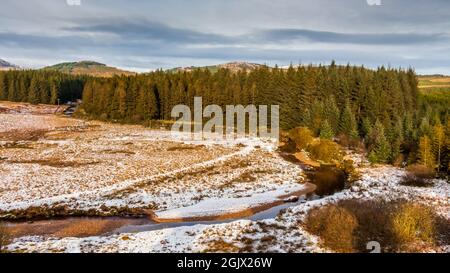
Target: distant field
[(432, 83), (436, 90)]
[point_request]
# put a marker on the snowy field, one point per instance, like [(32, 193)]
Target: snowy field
[(281, 234), (87, 166), (93, 166)]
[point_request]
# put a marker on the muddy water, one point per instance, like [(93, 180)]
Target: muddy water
[(263, 215), (95, 226)]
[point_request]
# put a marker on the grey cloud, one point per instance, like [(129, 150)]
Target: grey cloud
[(353, 38), (401, 32), (143, 29)]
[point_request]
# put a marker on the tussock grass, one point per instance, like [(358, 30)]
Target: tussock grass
[(399, 226), (335, 225), (22, 135), (185, 147), (220, 246), (418, 176), (113, 152), (5, 238), (413, 223), (56, 163), (16, 145)]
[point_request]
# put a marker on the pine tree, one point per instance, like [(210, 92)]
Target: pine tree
[(33, 94), (3, 94), (380, 150), (347, 123), (332, 113)]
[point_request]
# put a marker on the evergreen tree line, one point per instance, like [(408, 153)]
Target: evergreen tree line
[(380, 108), (36, 86)]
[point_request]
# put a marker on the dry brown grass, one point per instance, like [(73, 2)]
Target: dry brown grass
[(304, 159), (220, 246), (418, 176), (412, 224), (22, 135), (5, 237), (399, 226), (302, 137), (55, 163), (245, 177), (335, 226), (16, 145), (125, 152), (185, 147)]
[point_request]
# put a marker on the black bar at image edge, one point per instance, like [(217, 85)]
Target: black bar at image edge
[(227, 262)]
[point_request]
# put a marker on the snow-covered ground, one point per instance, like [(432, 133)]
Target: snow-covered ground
[(106, 165), (94, 166), (281, 234)]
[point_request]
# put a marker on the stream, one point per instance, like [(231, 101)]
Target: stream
[(103, 226)]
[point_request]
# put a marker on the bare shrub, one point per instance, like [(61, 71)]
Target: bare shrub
[(399, 226), (418, 176), (373, 218), (413, 223), (326, 151), (335, 225), (302, 137)]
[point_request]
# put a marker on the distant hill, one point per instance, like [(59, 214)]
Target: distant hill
[(233, 66), (4, 65), (88, 68)]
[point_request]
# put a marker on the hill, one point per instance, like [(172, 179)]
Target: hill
[(233, 66), (88, 68), (4, 65)]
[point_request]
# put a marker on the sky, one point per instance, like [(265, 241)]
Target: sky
[(143, 35)]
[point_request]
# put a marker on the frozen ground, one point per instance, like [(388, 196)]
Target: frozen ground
[(94, 166), (282, 234)]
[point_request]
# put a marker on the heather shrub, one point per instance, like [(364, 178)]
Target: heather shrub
[(412, 224), (325, 151), (335, 226), (418, 176), (302, 137), (399, 226)]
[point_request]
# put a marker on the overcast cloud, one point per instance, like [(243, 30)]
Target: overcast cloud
[(145, 35)]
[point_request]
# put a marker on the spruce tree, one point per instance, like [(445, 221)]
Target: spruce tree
[(347, 123), (326, 132), (380, 150)]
